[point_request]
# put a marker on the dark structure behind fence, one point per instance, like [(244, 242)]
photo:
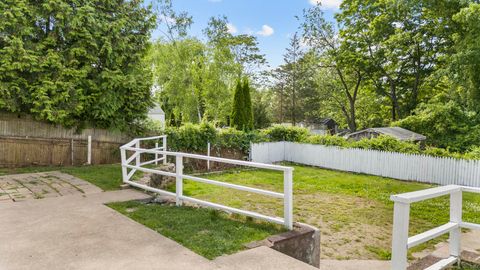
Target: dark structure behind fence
[(27, 142)]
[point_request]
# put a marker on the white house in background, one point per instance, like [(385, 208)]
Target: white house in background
[(156, 113)]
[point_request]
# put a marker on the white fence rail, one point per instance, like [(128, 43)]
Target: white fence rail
[(134, 148), (401, 242), (421, 168)]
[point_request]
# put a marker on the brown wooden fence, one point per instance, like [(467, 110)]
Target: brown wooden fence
[(26, 142)]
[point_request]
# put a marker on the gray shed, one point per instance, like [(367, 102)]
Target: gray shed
[(396, 132)]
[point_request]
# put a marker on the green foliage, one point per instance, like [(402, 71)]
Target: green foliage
[(237, 139), (195, 78), (261, 114), (242, 113), (466, 60), (285, 133), (327, 140), (445, 123), (191, 137), (387, 143), (75, 63)]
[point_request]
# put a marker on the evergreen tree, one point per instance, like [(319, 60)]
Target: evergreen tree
[(247, 110), (76, 62), (237, 120), (242, 114)]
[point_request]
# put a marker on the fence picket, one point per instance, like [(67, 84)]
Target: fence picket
[(410, 167)]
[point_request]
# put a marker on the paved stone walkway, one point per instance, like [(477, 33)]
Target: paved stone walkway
[(27, 186)]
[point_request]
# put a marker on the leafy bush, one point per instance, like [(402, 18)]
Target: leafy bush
[(387, 143), (285, 133), (194, 138), (232, 138), (191, 137), (328, 140)]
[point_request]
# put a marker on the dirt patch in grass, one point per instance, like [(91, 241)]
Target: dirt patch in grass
[(350, 227)]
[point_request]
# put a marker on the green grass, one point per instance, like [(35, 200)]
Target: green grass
[(106, 177), (466, 266), (207, 232), (353, 211)]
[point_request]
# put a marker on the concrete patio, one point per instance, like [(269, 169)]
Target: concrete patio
[(80, 232)]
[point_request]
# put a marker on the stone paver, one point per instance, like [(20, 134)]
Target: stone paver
[(28, 186)]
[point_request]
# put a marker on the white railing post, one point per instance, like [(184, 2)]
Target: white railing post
[(456, 217), (89, 150), (288, 198), (123, 156), (137, 158), (208, 155), (179, 179), (401, 221), (164, 145), (156, 154)]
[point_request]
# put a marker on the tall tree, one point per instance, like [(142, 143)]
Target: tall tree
[(292, 72), (242, 114), (76, 63), (340, 67), (400, 42), (464, 65), (243, 48), (248, 109)]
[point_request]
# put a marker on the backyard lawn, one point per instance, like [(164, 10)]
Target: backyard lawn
[(353, 211), (207, 232)]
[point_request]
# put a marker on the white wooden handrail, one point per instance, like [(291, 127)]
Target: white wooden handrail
[(135, 147), (400, 240)]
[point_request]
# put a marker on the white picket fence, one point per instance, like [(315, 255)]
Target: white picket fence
[(421, 168)]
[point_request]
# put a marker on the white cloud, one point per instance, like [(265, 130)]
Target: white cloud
[(266, 31), (328, 4), (231, 28)]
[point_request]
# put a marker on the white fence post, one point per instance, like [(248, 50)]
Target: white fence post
[(288, 198), (89, 150), (456, 217), (137, 158), (208, 155), (156, 154), (164, 145), (401, 220), (179, 179), (123, 156)]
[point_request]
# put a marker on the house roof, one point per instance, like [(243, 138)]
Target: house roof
[(397, 132), (156, 110)]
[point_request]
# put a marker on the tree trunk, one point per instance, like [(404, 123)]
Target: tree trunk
[(352, 121), (394, 99)]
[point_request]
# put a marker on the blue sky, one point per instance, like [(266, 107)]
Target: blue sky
[(272, 21)]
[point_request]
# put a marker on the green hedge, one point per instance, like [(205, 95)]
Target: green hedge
[(194, 138)]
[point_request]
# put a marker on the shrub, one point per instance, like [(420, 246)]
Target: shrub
[(237, 139), (191, 137), (194, 138), (285, 133), (328, 140), (387, 143)]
